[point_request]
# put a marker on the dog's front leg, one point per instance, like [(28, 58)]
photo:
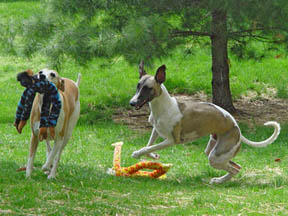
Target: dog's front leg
[(153, 137), (148, 149), (33, 147), (48, 148), (52, 174), (52, 154)]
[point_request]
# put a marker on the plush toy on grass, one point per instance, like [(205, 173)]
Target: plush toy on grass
[(136, 169), (49, 116)]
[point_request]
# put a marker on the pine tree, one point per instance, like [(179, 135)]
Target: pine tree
[(149, 29)]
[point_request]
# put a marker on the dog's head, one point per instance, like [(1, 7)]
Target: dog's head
[(148, 87), (26, 78), (52, 76)]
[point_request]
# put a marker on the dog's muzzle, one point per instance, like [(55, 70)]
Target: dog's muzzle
[(132, 103), (42, 77), (137, 105)]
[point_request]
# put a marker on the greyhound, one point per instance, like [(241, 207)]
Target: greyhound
[(69, 115), (180, 123)]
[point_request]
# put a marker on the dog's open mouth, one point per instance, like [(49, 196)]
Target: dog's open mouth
[(139, 106)]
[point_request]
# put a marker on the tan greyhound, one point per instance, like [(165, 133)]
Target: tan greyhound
[(180, 123), (67, 120)]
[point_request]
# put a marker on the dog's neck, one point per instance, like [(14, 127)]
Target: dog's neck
[(161, 103)]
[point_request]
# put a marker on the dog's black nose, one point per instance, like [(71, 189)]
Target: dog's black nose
[(42, 77), (132, 103)]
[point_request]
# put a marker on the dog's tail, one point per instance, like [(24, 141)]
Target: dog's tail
[(78, 79), (268, 141)]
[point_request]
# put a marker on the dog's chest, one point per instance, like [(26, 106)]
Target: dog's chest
[(164, 120)]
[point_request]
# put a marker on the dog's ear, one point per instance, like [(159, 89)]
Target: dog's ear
[(142, 72), (61, 84), (160, 74)]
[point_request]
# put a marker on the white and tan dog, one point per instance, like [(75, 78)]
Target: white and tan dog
[(68, 117), (180, 123)]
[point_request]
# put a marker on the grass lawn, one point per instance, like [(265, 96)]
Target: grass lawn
[(82, 186)]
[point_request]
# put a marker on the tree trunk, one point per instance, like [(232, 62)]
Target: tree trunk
[(220, 68)]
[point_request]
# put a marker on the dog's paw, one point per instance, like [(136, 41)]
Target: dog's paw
[(46, 168), (153, 156), (47, 172), (28, 172), (28, 175), (136, 155), (51, 177), (110, 171), (219, 180)]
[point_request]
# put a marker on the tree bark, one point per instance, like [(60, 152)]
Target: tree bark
[(220, 67)]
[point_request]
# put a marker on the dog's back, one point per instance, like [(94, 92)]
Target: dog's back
[(70, 95), (204, 119), (71, 104)]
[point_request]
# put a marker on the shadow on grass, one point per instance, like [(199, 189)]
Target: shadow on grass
[(72, 174), (95, 179)]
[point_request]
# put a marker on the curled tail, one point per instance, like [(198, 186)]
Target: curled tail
[(268, 141), (78, 79)]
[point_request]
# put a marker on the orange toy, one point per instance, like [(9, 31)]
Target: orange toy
[(135, 170)]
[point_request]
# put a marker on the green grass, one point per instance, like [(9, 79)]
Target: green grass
[(17, 10), (82, 186)]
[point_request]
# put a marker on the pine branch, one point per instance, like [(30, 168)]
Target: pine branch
[(189, 33), (252, 33), (256, 37), (265, 39), (238, 33)]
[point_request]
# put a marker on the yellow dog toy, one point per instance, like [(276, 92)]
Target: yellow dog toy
[(135, 170)]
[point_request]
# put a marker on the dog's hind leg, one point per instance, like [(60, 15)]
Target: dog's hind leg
[(33, 148), (57, 159), (68, 133), (227, 146), (48, 148), (58, 155), (211, 144), (53, 152)]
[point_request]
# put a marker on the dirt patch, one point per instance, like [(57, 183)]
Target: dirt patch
[(252, 109)]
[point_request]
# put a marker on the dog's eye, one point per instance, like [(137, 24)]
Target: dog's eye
[(52, 75), (147, 88)]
